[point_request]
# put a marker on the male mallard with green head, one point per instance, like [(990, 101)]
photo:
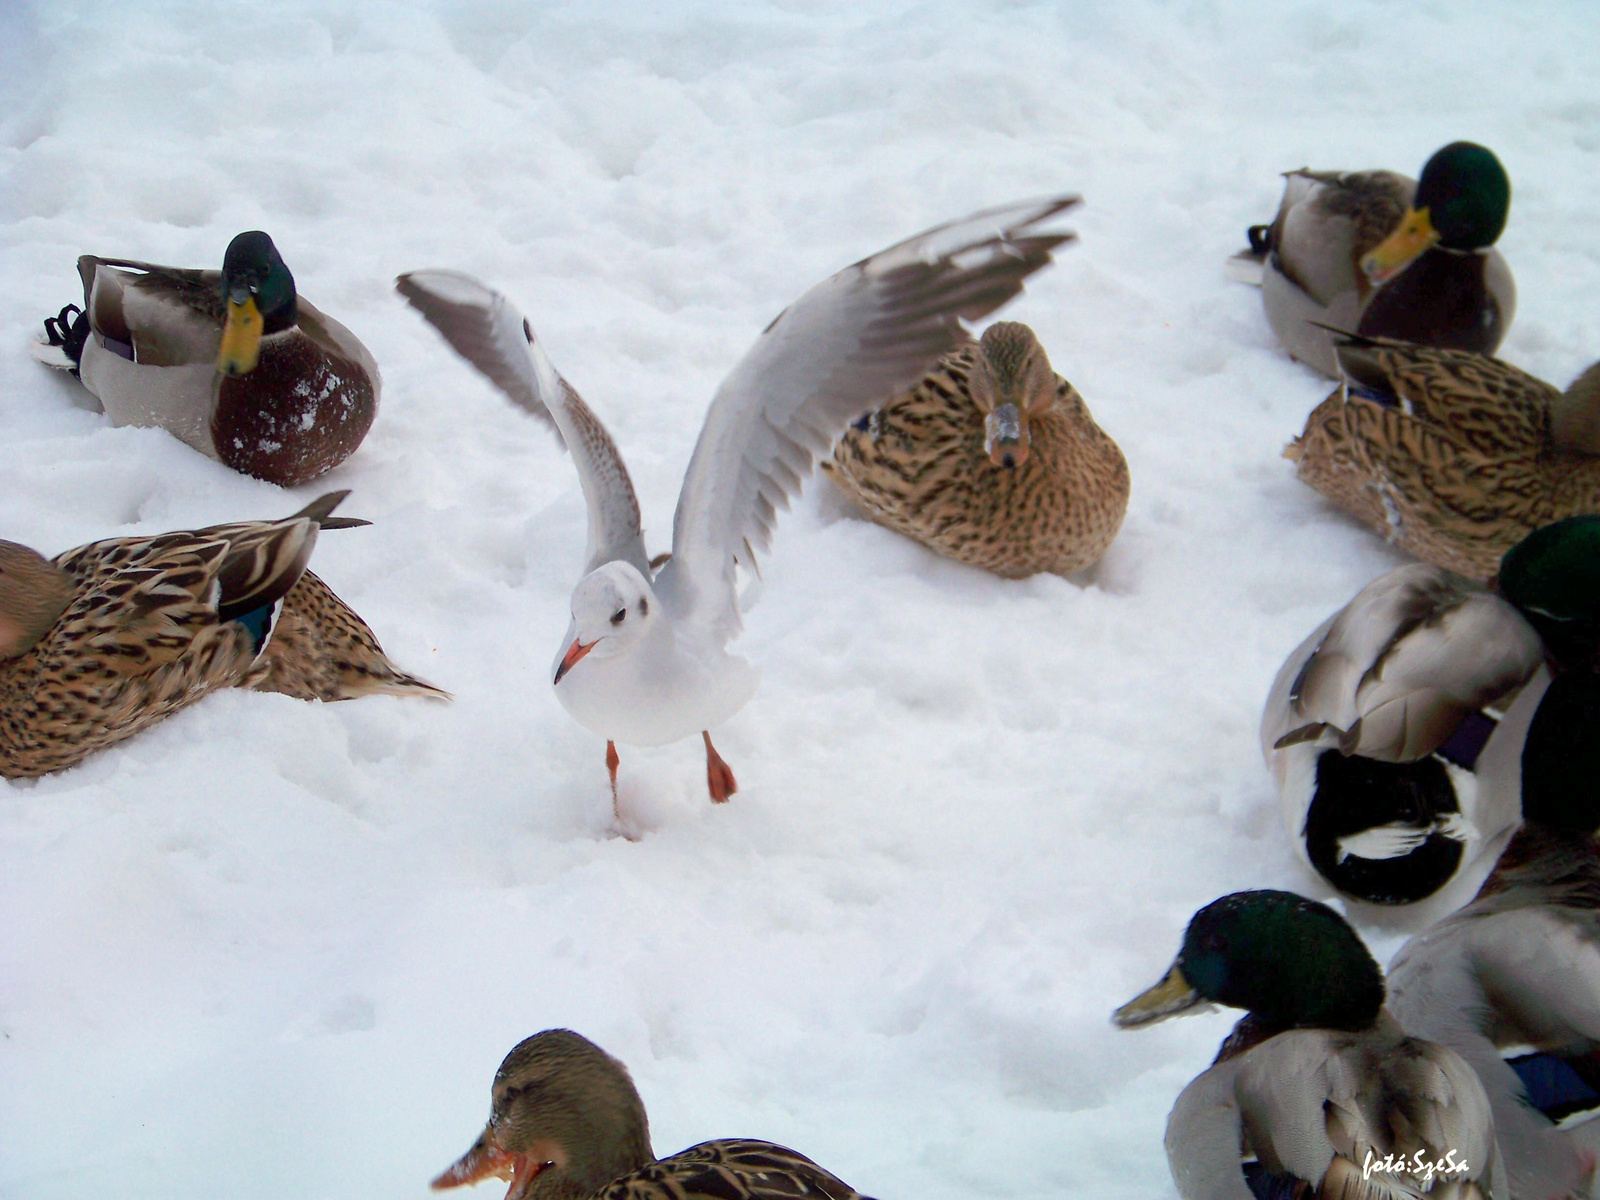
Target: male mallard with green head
[(1519, 967), (235, 362), (566, 1123), (1451, 455), (1374, 253), (1317, 1082), (992, 459), (103, 641)]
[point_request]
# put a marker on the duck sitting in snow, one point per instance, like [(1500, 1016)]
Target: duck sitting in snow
[(1452, 456), (567, 1123), (1317, 1081), (105, 640), (992, 459), (234, 363), (1520, 965), (1387, 733), (1376, 253)]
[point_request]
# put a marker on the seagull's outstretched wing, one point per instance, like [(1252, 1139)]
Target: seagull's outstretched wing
[(487, 330), (844, 347)]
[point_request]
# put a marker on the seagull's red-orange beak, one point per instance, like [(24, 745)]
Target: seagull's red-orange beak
[(487, 1158), (570, 659)]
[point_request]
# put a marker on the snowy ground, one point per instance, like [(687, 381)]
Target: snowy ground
[(277, 949)]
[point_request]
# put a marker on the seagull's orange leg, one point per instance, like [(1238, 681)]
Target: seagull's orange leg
[(612, 763), (719, 775)]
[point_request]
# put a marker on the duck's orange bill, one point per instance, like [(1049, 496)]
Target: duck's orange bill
[(241, 339), (568, 660), (1400, 249), (486, 1159)]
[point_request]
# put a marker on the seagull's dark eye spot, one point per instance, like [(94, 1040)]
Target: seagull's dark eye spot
[(527, 330), (644, 606), (619, 616)]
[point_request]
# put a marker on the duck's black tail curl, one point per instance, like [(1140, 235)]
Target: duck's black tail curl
[(69, 329)]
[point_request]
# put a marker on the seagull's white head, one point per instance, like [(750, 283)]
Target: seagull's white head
[(613, 607)]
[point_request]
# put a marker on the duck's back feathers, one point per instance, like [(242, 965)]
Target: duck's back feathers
[(1308, 1102), (322, 650), (1399, 667), (1449, 454), (731, 1169), (1519, 966)]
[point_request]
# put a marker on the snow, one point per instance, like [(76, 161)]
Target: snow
[(277, 949)]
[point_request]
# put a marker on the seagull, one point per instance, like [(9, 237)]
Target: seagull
[(645, 660)]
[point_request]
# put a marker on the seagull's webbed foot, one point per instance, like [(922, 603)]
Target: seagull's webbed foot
[(719, 775)]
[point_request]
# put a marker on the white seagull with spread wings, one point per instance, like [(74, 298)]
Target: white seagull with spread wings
[(644, 660)]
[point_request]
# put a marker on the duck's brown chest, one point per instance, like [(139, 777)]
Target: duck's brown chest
[(301, 412)]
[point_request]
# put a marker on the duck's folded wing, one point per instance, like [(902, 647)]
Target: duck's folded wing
[(1487, 404), (1205, 1138), (1412, 654), (843, 348), (485, 328), (732, 1169)]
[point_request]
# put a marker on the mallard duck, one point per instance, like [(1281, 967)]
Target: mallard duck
[(1379, 254), (1317, 1082), (1384, 732), (105, 640), (644, 659), (1520, 965), (234, 363), (566, 1123), (991, 459), (1452, 456)]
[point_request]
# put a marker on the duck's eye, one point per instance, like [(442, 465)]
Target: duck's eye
[(644, 606), (619, 616)]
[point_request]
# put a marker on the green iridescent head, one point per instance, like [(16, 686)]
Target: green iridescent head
[(1288, 961)]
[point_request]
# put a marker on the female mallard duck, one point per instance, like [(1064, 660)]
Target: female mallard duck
[(1384, 732), (1373, 252), (992, 459), (102, 641), (566, 1123), (1454, 457), (1317, 1084), (234, 363), (1520, 965)]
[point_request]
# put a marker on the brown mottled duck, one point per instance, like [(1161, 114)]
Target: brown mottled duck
[(991, 459), (1452, 456), (106, 640)]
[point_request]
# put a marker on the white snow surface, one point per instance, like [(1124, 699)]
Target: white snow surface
[(275, 949)]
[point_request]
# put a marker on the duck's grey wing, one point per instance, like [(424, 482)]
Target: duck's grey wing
[(1312, 1096), (1402, 663), (485, 328), (1542, 969), (841, 349), (1205, 1138)]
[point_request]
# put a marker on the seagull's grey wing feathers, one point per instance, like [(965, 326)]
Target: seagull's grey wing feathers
[(844, 347), (485, 328)]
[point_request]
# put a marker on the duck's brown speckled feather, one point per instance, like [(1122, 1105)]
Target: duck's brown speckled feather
[(150, 630), (1461, 470), (731, 1169), (920, 468)]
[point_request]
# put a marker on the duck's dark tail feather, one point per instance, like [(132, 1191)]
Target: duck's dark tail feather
[(65, 333)]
